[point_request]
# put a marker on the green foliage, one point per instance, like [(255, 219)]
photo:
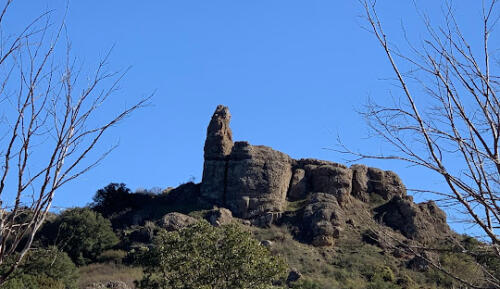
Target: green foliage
[(112, 256), (305, 284), (203, 256), (461, 265), (382, 278), (84, 234), (112, 198), (44, 269)]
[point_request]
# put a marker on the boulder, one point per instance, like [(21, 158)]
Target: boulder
[(366, 181), (219, 216), (265, 220), (321, 220), (293, 276), (176, 221), (257, 180), (423, 222)]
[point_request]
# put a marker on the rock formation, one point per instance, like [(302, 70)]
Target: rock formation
[(175, 221), (256, 183), (218, 146)]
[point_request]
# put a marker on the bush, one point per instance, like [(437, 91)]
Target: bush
[(44, 269), (202, 256), (305, 284), (112, 198), (112, 256), (83, 234)]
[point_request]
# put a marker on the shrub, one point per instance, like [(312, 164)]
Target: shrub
[(112, 256), (305, 284), (84, 234), (202, 256), (44, 269)]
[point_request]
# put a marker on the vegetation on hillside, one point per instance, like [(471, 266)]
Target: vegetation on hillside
[(79, 248)]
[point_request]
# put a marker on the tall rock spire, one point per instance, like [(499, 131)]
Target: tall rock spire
[(219, 141), (218, 146)]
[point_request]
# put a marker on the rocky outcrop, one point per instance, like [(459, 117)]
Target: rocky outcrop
[(219, 141), (218, 146), (257, 180), (423, 222), (321, 220), (367, 181), (249, 180), (176, 221)]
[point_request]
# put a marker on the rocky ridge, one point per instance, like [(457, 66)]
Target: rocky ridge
[(255, 183)]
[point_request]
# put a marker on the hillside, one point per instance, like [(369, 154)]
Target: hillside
[(336, 226)]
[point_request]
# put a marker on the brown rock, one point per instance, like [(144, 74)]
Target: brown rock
[(330, 179), (265, 220), (220, 216), (321, 220), (423, 222), (218, 146), (368, 181), (176, 221), (219, 141), (298, 185), (257, 180)]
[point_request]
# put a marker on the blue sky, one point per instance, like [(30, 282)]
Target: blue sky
[(293, 74)]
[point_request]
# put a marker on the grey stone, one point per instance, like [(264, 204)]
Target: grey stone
[(424, 222), (219, 216), (218, 146), (257, 180), (176, 221), (298, 185), (219, 141), (321, 220), (335, 180), (368, 181)]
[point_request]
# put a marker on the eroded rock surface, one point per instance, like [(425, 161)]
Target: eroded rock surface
[(257, 180), (367, 181), (256, 183), (322, 219), (423, 222), (218, 146), (219, 216), (176, 221)]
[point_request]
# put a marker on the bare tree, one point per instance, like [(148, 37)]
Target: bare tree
[(447, 115), (51, 124)]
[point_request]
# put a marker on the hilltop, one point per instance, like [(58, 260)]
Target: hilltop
[(335, 226)]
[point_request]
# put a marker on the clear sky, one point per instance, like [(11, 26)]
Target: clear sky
[(293, 74)]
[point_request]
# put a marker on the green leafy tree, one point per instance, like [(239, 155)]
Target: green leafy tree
[(43, 269), (83, 234), (112, 198), (203, 256)]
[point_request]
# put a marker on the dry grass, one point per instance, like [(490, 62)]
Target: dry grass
[(105, 272)]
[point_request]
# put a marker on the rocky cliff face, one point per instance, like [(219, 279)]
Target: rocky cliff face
[(257, 183)]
